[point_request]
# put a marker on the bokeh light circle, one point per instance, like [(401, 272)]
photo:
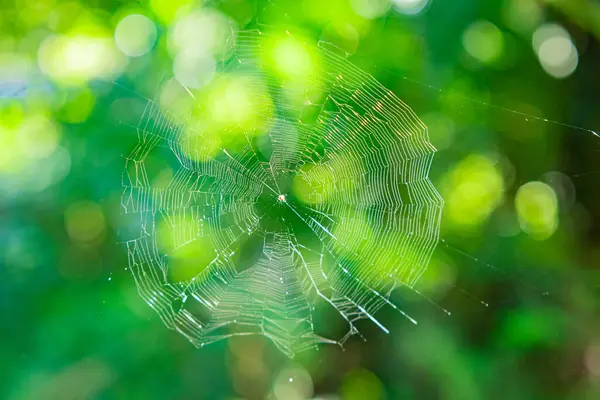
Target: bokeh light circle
[(556, 51), (410, 7), (135, 35)]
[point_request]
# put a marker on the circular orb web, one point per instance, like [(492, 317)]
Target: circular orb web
[(288, 193)]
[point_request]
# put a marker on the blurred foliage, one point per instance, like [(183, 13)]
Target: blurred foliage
[(518, 268)]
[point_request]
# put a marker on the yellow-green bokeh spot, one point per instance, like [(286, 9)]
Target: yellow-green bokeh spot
[(163, 179), (318, 183), (438, 277), (354, 234), (527, 327), (473, 189), (381, 263), (384, 262), (484, 41), (222, 115), (358, 242), (537, 208), (236, 105), (167, 10), (309, 190), (85, 222), (11, 117), (78, 105), (290, 58), (199, 146), (26, 138), (362, 384), (188, 247), (296, 64)]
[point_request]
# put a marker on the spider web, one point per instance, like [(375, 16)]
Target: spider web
[(272, 257)]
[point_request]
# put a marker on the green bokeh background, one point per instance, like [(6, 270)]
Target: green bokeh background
[(524, 322)]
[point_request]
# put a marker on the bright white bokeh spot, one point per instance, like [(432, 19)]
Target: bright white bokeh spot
[(194, 70), (555, 50), (410, 7), (76, 59), (370, 9), (135, 35), (202, 32)]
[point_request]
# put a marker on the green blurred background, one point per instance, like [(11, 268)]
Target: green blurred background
[(509, 91)]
